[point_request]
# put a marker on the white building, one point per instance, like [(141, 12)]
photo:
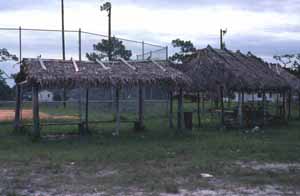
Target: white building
[(271, 97), (45, 96)]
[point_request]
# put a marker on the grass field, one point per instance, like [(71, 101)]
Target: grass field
[(155, 162)]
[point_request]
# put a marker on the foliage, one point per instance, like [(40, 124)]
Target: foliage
[(6, 91), (186, 48), (5, 55), (291, 61), (102, 49)]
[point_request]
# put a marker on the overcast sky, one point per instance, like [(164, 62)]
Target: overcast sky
[(265, 27)]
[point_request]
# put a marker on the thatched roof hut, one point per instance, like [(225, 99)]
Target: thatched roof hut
[(49, 73), (211, 68)]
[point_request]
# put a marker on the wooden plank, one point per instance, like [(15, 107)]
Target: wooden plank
[(171, 125), (117, 130), (17, 123), (180, 110), (35, 111)]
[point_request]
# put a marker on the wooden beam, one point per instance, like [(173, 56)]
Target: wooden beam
[(171, 125), (35, 111), (117, 102), (180, 110), (18, 111)]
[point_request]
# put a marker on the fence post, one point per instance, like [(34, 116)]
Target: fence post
[(222, 106), (117, 102), (18, 111), (35, 111), (180, 110), (141, 107), (167, 53), (289, 105), (87, 111), (171, 110), (20, 43), (143, 50), (79, 44)]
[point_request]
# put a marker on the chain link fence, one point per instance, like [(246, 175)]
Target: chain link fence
[(47, 43), (31, 43)]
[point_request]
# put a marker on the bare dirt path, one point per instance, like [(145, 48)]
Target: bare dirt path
[(74, 179), (9, 115)]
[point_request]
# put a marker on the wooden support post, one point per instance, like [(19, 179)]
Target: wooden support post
[(180, 110), (141, 108), (283, 106), (299, 104), (81, 131), (198, 110), (18, 111), (222, 106), (264, 107), (289, 105), (203, 103), (240, 110), (35, 111), (171, 125), (87, 111), (277, 104), (117, 102)]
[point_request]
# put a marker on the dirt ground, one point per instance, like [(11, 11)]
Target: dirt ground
[(72, 179), (9, 115)]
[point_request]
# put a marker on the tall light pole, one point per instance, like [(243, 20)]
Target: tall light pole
[(63, 29), (222, 43), (63, 45), (107, 7)]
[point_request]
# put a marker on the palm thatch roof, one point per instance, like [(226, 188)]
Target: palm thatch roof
[(293, 80), (211, 68), (49, 73)]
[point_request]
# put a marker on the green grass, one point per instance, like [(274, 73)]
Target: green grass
[(157, 160)]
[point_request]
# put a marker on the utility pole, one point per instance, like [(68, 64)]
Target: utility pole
[(222, 34), (107, 7), (63, 44)]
